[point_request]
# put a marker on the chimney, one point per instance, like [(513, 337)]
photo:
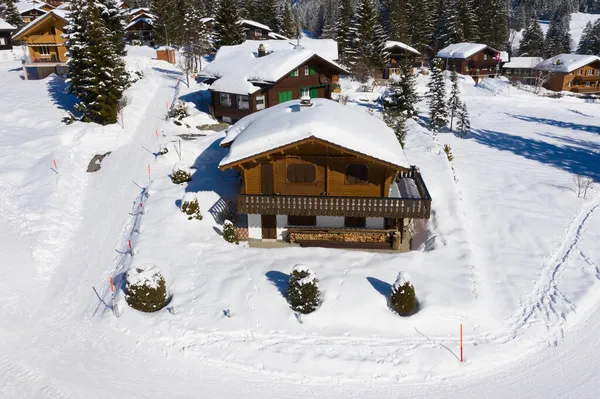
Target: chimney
[(261, 50), (305, 101)]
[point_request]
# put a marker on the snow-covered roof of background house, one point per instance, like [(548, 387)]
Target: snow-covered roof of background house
[(523, 62), (504, 56), (149, 21), (462, 50), (28, 5), (62, 14), (324, 48), (134, 10), (277, 36), (391, 44), (6, 26), (255, 24), (326, 120), (206, 19), (567, 62)]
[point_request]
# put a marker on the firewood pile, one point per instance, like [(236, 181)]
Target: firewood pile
[(371, 237)]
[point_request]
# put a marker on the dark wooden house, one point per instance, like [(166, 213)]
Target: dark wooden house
[(572, 72), (139, 29), (522, 69), (318, 173), (32, 9), (243, 83), (399, 52), (474, 59), (6, 53)]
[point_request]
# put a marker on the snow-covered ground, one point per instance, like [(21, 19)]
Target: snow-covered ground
[(510, 252)]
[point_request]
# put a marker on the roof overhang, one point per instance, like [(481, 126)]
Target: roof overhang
[(34, 23)]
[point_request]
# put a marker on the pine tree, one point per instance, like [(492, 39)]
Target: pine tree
[(268, 13), (10, 13), (421, 28), (343, 33), (228, 31), (586, 42), (403, 299), (558, 38), (288, 25), (97, 73), (454, 102), (303, 290), (399, 23), (164, 25), (114, 20), (493, 28), (436, 98), (369, 39), (532, 43), (463, 123), (402, 97), (329, 21)]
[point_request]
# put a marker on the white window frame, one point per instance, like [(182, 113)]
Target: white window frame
[(589, 72), (260, 102), (570, 84), (44, 50), (306, 70), (257, 32), (225, 99), (580, 72), (2, 41), (485, 57), (241, 103)]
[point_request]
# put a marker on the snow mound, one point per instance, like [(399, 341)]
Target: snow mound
[(180, 166), (148, 275), (311, 278), (403, 278)]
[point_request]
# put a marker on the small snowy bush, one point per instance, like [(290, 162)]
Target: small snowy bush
[(403, 299), (68, 118), (179, 110), (303, 290), (229, 233), (190, 206), (146, 289), (448, 151), (181, 173)]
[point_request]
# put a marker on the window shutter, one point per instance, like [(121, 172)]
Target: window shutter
[(301, 173), (312, 70)]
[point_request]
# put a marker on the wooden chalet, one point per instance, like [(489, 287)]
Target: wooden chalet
[(6, 49), (522, 69), (318, 173), (243, 82), (572, 72), (46, 51), (474, 59), (32, 9), (398, 52), (253, 30), (139, 29)]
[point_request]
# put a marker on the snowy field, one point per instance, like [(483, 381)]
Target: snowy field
[(510, 252)]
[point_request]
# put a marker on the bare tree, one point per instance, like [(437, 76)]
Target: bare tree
[(582, 185), (540, 78)]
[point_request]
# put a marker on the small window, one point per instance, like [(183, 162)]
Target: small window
[(355, 222), (301, 173), (580, 72), (357, 174), (243, 102), (260, 102), (44, 50), (2, 41), (225, 99), (294, 74), (304, 92), (589, 72), (257, 33), (588, 84), (306, 70), (485, 57), (570, 84), (302, 220)]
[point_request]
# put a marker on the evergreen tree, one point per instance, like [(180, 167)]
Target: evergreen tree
[(114, 20), (288, 25), (421, 28), (195, 36), (268, 13), (402, 97), (329, 21), (369, 38), (402, 298), (228, 31), (454, 102), (97, 73), (399, 24), (587, 40), (165, 25), (343, 32), (532, 43), (10, 13), (493, 28), (558, 38), (463, 122), (303, 290), (436, 98)]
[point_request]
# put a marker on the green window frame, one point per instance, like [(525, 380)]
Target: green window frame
[(294, 73), (285, 96)]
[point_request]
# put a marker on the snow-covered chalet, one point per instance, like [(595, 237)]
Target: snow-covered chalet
[(256, 75), (6, 51), (572, 72), (399, 52), (474, 59), (318, 173)]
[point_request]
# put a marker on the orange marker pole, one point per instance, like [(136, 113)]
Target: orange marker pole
[(129, 244), (461, 344), (148, 171), (112, 286), (55, 166)]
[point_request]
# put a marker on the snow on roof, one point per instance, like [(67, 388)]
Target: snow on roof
[(28, 5), (255, 24), (390, 44), (461, 50), (277, 36), (523, 62), (326, 120), (324, 48), (62, 14), (567, 62), (149, 21), (206, 19), (237, 66), (504, 56), (6, 26), (144, 9)]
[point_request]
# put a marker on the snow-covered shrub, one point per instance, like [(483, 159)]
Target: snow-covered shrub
[(181, 173), (403, 299), (448, 151), (303, 290), (68, 118), (179, 110), (146, 289), (190, 206), (229, 233)]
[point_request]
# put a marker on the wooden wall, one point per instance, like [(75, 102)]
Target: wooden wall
[(577, 78)]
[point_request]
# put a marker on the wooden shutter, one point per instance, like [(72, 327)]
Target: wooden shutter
[(301, 173), (314, 92), (312, 70), (285, 96)]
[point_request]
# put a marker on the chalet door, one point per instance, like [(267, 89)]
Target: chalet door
[(269, 226), (267, 186)]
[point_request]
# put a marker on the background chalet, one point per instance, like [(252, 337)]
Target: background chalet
[(474, 59), (398, 52), (573, 72), (243, 82), (324, 174), (6, 53)]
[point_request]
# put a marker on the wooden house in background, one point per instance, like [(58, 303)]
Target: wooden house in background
[(474, 59), (139, 29), (6, 48), (318, 173), (46, 51), (398, 52), (522, 69), (253, 30), (243, 82), (572, 72), (32, 9)]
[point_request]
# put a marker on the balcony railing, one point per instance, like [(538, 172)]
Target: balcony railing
[(298, 205), (586, 77), (45, 40)]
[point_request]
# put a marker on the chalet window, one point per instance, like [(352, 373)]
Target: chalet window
[(589, 72), (304, 92), (257, 33), (44, 50), (357, 174), (302, 220), (260, 102), (243, 102), (580, 72), (355, 222), (225, 99), (301, 173), (306, 70), (485, 57), (570, 84), (588, 84), (2, 41), (294, 74)]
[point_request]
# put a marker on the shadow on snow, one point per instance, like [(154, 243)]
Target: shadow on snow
[(279, 280)]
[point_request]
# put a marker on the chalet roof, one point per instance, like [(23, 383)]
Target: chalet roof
[(391, 44), (62, 14), (462, 50), (523, 62), (135, 10), (6, 26), (238, 68), (567, 62), (328, 121), (149, 21), (277, 36), (255, 24), (28, 5)]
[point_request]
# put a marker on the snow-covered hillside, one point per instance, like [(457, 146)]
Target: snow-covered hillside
[(510, 253)]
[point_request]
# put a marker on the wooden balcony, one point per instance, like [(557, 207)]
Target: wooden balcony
[(586, 78), (388, 207), (45, 40)]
